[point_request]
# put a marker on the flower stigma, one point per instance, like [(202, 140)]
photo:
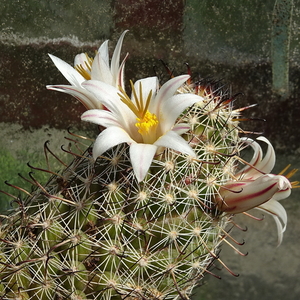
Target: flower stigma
[(147, 122)]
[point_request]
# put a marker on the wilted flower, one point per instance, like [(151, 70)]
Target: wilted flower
[(146, 121), (86, 68), (254, 187)]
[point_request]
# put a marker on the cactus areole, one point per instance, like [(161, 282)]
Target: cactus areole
[(141, 213)]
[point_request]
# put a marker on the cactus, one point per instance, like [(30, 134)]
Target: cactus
[(101, 230)]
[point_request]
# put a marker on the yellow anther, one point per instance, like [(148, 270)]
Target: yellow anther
[(85, 71), (295, 184), (140, 108), (146, 123)]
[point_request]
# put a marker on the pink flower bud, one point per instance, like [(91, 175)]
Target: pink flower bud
[(240, 196)]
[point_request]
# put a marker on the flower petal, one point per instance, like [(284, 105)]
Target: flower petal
[(257, 156), (277, 211), (166, 92), (81, 94), (101, 117), (171, 109), (267, 164), (81, 59), (141, 156), (108, 96), (284, 188), (283, 194), (120, 75), (68, 71), (172, 140), (261, 166), (240, 196), (100, 67), (109, 138), (104, 52), (181, 128), (115, 60), (149, 84)]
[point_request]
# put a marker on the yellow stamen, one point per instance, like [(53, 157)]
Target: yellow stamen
[(137, 100), (126, 100), (140, 108), (146, 123), (295, 184), (82, 71)]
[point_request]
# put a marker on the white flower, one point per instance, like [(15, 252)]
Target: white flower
[(87, 68), (146, 121), (256, 188)]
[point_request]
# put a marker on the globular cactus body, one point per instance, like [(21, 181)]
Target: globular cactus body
[(101, 230), (95, 232)]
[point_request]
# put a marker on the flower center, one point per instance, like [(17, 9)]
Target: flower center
[(85, 70), (146, 121)]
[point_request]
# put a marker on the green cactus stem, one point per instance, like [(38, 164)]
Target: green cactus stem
[(95, 232)]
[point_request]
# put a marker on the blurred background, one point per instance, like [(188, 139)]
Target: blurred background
[(251, 45)]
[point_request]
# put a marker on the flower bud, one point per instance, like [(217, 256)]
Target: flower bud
[(240, 196)]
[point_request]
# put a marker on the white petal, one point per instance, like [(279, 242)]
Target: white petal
[(108, 96), (173, 107), (120, 75), (264, 165), (141, 156), (101, 117), (82, 95), (277, 211), (109, 138), (100, 70), (104, 53), (283, 194), (172, 140), (268, 162), (248, 172), (115, 60), (240, 196), (181, 128), (81, 59), (284, 188), (166, 92), (68, 71), (275, 208), (148, 84)]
